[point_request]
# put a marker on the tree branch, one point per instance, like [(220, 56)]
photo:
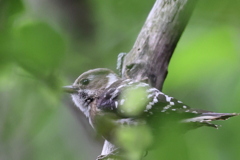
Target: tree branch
[(157, 40), (152, 51)]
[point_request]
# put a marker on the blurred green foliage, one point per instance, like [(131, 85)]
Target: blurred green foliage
[(132, 141), (132, 107), (38, 55)]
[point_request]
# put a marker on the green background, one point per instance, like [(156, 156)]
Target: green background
[(44, 45)]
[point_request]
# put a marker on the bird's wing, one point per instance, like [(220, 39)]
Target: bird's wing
[(157, 105), (114, 99)]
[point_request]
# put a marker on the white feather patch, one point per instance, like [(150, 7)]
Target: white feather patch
[(111, 79), (168, 99), (79, 103)]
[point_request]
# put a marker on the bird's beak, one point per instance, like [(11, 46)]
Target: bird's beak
[(70, 89)]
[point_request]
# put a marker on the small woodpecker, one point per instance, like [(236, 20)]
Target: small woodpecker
[(100, 93)]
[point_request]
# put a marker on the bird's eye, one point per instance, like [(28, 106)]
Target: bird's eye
[(84, 81)]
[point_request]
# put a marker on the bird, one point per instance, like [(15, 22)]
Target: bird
[(109, 101)]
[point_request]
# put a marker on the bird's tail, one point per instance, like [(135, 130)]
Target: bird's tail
[(206, 117)]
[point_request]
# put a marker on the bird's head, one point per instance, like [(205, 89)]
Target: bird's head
[(89, 86)]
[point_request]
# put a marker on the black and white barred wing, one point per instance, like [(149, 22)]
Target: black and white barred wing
[(152, 103), (158, 101), (133, 96), (125, 98), (174, 106)]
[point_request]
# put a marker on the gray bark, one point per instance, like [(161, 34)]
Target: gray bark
[(151, 53)]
